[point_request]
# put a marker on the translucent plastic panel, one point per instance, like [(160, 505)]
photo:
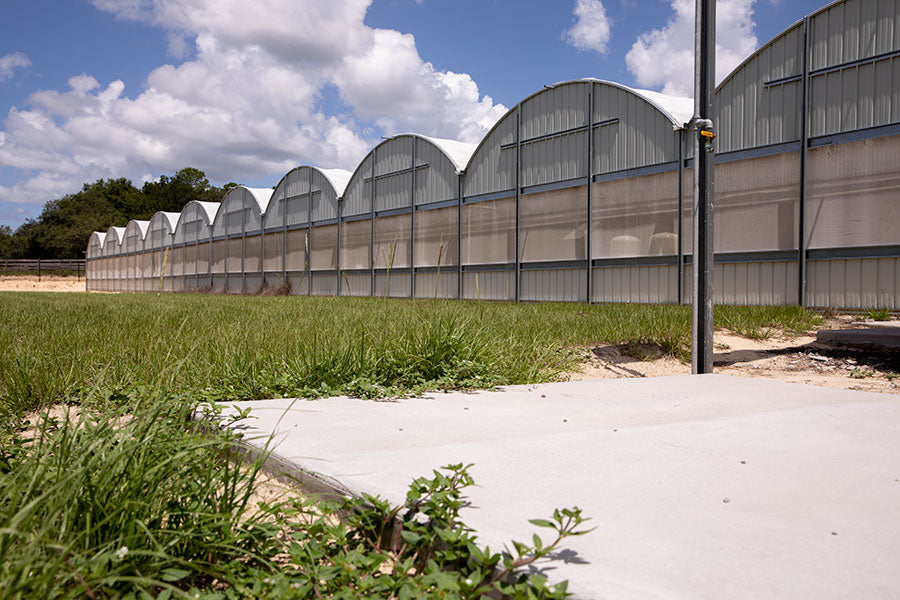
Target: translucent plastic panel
[(203, 258), (757, 203), (296, 250), (636, 216), (233, 255), (218, 256), (323, 248), (253, 254), (436, 237), (356, 240), (177, 261), (274, 251), (554, 225), (854, 194), (489, 232), (190, 260), (392, 242), (297, 209)]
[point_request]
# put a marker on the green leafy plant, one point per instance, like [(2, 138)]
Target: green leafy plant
[(879, 314)]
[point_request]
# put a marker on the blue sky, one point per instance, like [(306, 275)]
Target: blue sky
[(243, 90)]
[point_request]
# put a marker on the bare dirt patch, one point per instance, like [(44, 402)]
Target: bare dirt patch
[(795, 359), (47, 283)]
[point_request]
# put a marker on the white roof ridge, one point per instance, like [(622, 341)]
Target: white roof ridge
[(679, 109), (338, 178), (458, 152)]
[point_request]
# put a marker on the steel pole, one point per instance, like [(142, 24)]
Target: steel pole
[(704, 84)]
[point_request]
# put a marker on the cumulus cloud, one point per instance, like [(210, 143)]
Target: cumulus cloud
[(591, 30), (664, 58), (245, 102), (10, 62)]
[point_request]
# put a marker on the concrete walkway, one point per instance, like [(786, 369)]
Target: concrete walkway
[(700, 487)]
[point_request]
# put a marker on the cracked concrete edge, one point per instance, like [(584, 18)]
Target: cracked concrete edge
[(314, 484)]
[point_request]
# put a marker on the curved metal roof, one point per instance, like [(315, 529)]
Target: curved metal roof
[(780, 35), (100, 235), (677, 109), (338, 178), (458, 152), (261, 195), (141, 225)]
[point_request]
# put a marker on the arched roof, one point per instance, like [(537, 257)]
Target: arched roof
[(260, 195), (171, 218), (113, 240), (390, 162), (339, 178), (458, 152), (115, 234), (207, 210), (678, 110), (99, 236), (141, 227)]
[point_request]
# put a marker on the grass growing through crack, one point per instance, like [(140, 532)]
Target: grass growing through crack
[(134, 501), (91, 347)]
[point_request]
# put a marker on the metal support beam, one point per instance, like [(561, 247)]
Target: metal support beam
[(682, 140), (459, 242), (372, 240), (804, 151), (412, 225), (518, 199), (704, 83), (590, 218)]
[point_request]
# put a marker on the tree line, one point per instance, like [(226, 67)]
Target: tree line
[(64, 226)]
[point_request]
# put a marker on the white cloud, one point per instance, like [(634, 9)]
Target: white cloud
[(664, 58), (10, 62), (591, 30), (247, 101)]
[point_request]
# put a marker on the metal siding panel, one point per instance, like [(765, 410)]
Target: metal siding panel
[(357, 199), (493, 169)]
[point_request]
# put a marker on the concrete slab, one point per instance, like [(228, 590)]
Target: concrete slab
[(700, 487), (881, 338)]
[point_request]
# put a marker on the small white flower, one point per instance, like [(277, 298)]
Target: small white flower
[(468, 582), (122, 552)]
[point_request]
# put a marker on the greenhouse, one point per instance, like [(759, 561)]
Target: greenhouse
[(582, 192)]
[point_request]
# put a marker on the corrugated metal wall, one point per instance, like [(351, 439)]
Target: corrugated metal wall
[(750, 113), (851, 188), (493, 166), (854, 96), (635, 133)]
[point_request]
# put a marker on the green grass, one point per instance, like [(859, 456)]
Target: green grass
[(93, 348), (138, 502), (134, 501)]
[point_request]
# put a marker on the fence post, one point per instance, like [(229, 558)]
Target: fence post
[(39, 270)]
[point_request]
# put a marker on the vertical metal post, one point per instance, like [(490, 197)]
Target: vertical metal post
[(284, 237), (412, 225), (459, 265), (244, 212), (340, 213), (518, 199), (804, 151), (372, 240), (680, 224), (704, 82), (39, 269), (307, 245), (590, 171)]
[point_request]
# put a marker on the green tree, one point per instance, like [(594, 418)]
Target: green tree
[(64, 226)]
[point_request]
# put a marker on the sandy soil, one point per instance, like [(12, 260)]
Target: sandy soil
[(796, 359), (48, 283)]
